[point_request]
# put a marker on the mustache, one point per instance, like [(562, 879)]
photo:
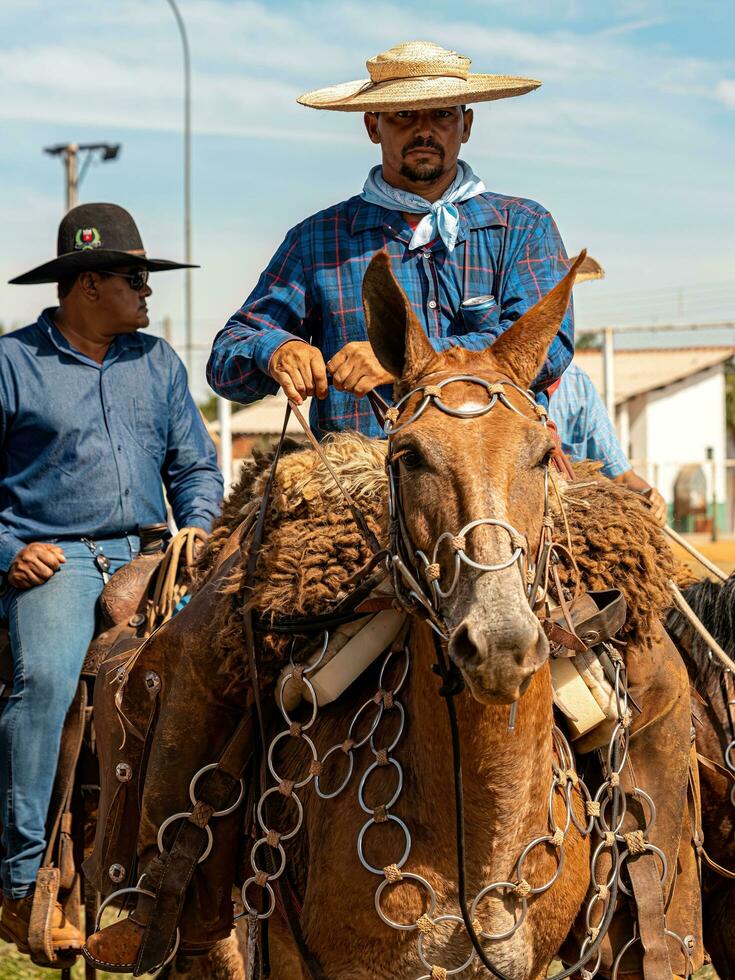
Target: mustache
[(420, 143)]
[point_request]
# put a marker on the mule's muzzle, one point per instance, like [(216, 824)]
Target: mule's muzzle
[(498, 667)]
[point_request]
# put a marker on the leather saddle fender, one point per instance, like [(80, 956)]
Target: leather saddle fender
[(126, 703)]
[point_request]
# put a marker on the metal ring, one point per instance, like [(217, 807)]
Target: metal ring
[(217, 813), (566, 792), (299, 807), (345, 781), (659, 854), (314, 703), (399, 733), (184, 816), (621, 954), (388, 426), (404, 857), (422, 955), (388, 661), (406, 877), (685, 949), (618, 730), (584, 829), (638, 792), (310, 668), (606, 788), (130, 890), (496, 885), (271, 874), (546, 839), (249, 908), (728, 756), (596, 854), (361, 788), (271, 749), (378, 715)]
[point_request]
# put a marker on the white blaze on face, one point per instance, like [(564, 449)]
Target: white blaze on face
[(472, 406)]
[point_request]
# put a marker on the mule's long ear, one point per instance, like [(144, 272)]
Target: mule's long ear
[(520, 351), (397, 337)]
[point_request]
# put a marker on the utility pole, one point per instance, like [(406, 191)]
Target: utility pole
[(69, 153), (187, 178), (608, 367)]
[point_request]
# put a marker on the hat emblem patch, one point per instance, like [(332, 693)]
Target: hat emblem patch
[(87, 238)]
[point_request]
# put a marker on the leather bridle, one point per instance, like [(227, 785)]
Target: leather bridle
[(417, 579)]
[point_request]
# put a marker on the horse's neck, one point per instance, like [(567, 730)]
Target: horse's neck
[(506, 774)]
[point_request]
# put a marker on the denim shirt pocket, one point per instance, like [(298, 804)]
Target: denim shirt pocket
[(149, 426), (480, 314)]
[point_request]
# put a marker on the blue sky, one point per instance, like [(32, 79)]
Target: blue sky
[(629, 142)]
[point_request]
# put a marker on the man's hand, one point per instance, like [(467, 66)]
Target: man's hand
[(356, 369), (300, 370), (35, 564), (656, 502)]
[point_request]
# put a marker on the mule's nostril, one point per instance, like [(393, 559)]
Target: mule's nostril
[(462, 647)]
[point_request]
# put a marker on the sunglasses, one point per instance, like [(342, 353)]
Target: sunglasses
[(138, 279)]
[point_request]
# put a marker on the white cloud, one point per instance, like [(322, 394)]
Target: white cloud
[(725, 92)]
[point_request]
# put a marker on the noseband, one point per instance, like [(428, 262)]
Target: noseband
[(417, 579)]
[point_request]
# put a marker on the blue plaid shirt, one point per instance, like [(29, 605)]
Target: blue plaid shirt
[(585, 428), (508, 251)]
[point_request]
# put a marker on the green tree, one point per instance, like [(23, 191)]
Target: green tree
[(730, 396), (208, 408)]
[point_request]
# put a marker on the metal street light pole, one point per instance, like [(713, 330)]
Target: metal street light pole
[(187, 177), (70, 154)]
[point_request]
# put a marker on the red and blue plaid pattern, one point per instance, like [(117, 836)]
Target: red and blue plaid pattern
[(508, 249)]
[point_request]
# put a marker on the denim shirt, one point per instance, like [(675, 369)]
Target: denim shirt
[(87, 448), (508, 255)]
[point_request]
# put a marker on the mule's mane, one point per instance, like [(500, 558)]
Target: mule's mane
[(312, 545)]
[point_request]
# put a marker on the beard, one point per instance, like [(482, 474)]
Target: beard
[(422, 173), (425, 172)]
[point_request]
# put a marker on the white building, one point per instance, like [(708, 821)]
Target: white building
[(670, 413)]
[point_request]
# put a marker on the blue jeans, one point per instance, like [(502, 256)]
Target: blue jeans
[(50, 627)]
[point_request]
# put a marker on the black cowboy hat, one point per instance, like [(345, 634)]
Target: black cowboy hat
[(94, 237)]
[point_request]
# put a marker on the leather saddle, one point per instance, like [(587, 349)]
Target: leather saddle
[(123, 607)]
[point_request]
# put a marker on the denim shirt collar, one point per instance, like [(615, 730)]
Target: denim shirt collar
[(119, 345)]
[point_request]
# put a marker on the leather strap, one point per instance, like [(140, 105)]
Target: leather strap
[(310, 962), (646, 881), (171, 871)]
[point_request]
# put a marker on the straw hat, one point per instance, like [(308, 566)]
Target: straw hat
[(589, 269), (418, 75)]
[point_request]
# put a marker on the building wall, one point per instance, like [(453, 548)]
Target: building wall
[(675, 426)]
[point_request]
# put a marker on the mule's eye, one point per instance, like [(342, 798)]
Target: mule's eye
[(411, 459)]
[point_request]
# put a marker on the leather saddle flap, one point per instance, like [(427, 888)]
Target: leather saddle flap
[(595, 616)]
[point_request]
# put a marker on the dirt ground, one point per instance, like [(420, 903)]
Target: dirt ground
[(721, 552)]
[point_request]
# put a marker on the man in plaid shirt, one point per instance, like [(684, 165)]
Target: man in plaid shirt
[(467, 283)]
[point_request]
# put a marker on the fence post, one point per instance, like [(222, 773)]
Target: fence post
[(224, 411)]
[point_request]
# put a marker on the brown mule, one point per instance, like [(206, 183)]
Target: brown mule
[(453, 471)]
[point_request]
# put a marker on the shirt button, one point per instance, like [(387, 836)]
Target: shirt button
[(432, 304), (119, 449), (127, 492)]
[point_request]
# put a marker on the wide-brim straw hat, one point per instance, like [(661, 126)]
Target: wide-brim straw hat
[(418, 75), (589, 269)]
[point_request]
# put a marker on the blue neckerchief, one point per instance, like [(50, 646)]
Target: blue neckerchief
[(440, 217)]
